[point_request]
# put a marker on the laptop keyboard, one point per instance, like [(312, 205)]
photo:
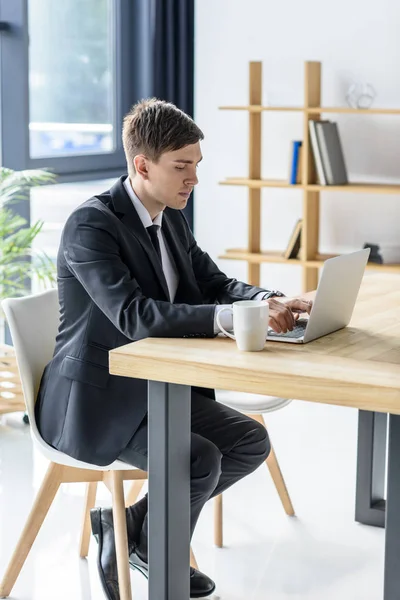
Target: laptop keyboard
[(297, 332)]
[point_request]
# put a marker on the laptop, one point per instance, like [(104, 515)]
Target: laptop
[(334, 300)]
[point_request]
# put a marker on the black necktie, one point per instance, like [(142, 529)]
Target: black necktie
[(152, 230)]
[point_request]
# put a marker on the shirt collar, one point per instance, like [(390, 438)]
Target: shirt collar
[(140, 208)]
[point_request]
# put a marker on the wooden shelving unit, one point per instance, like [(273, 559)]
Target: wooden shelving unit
[(310, 260)]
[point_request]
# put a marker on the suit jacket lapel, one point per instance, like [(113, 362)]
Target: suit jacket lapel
[(127, 213)]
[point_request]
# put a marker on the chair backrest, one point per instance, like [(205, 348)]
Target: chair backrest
[(33, 322)]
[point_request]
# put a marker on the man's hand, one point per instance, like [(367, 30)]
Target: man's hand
[(284, 312)]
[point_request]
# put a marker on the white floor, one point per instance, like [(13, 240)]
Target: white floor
[(321, 554)]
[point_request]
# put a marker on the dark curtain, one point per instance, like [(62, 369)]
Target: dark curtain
[(173, 58)]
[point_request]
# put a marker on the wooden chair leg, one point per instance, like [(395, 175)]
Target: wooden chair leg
[(276, 474), (90, 499), (121, 535), (193, 561), (134, 491), (218, 523), (43, 501)]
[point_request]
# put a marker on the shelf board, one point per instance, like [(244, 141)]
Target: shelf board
[(357, 111), (315, 110), (259, 108), (359, 187), (278, 258), (269, 256), (258, 183), (368, 188)]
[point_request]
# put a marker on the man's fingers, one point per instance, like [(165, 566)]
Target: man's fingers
[(275, 324), (307, 305), (289, 318), (282, 316), (302, 306), (282, 319)]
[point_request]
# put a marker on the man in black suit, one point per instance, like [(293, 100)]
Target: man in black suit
[(129, 268)]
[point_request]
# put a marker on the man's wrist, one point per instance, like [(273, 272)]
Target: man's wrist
[(273, 294)]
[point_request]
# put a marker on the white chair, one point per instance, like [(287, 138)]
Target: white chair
[(33, 322), (253, 405)]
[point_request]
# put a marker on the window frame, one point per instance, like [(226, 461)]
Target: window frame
[(131, 64)]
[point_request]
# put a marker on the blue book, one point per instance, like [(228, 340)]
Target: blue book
[(295, 162)]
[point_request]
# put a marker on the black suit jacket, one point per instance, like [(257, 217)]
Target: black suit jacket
[(112, 291)]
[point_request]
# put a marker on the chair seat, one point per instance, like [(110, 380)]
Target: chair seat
[(250, 403), (60, 458)]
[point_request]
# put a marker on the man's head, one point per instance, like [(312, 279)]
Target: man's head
[(162, 149)]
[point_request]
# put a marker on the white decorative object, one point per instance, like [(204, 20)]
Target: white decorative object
[(360, 95)]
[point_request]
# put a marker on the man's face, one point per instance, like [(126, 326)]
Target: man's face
[(172, 179)]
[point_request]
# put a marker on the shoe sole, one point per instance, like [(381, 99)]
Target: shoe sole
[(145, 573), (141, 570), (203, 595)]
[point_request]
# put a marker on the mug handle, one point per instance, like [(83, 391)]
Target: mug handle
[(219, 322)]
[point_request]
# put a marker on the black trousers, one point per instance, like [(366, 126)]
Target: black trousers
[(225, 447)]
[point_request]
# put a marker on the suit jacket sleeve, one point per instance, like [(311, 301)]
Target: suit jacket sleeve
[(92, 254), (216, 287)]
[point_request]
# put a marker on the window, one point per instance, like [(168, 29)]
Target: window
[(71, 77)]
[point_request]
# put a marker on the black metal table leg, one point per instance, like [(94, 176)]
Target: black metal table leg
[(392, 541), (169, 491), (371, 461)]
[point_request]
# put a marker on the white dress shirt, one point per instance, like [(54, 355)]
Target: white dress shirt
[(168, 263)]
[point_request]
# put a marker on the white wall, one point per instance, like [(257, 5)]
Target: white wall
[(355, 40)]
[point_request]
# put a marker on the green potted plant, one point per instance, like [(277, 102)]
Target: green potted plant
[(17, 259), (18, 264)]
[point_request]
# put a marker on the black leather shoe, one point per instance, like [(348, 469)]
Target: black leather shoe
[(103, 530), (200, 585)]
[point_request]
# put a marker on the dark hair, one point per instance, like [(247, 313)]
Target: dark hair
[(153, 127)]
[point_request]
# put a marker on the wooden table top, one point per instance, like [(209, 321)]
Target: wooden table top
[(358, 366)]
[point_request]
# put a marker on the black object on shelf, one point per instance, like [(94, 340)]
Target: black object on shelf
[(374, 257)]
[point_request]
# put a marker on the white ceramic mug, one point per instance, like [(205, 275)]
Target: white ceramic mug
[(250, 324)]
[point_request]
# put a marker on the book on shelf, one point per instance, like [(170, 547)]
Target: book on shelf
[(293, 247), (331, 153), (328, 154), (316, 153), (295, 158), (300, 164)]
